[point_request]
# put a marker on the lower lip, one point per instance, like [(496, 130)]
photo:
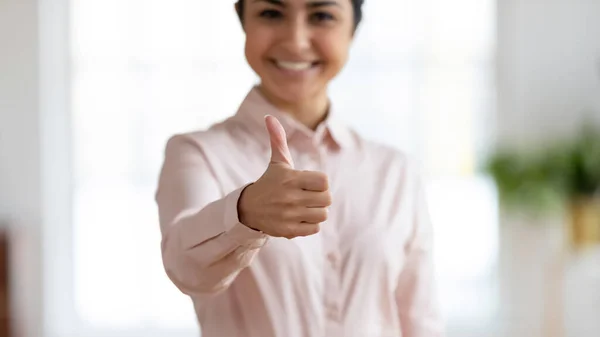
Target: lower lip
[(297, 73)]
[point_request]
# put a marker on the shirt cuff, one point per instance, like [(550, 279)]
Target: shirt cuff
[(237, 231)]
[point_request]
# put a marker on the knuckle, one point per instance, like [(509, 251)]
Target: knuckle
[(290, 232), (283, 199), (288, 213), (322, 176), (315, 229), (296, 200), (310, 229), (290, 177), (322, 216), (328, 199), (323, 180), (288, 200)]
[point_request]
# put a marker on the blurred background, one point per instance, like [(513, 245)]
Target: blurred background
[(489, 96)]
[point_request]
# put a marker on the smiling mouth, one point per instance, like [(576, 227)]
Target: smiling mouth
[(295, 66)]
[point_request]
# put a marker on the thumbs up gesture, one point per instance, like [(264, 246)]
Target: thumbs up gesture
[(285, 202)]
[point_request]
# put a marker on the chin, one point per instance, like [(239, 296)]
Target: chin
[(293, 92)]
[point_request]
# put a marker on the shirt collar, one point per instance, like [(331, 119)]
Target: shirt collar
[(255, 107)]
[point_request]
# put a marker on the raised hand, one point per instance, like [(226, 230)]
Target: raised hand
[(285, 202)]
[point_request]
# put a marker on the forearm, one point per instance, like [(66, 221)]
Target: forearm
[(204, 251)]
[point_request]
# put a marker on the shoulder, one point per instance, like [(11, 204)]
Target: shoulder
[(217, 135), (385, 157)]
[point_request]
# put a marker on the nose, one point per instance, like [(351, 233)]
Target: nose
[(297, 36)]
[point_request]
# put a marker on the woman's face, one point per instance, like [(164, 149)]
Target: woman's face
[(297, 46)]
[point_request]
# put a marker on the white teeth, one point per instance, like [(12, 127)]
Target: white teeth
[(297, 66)]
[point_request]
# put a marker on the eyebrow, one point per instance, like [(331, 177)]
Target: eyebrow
[(323, 3), (311, 4), (273, 2)]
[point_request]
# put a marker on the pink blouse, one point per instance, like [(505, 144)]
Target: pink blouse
[(368, 273)]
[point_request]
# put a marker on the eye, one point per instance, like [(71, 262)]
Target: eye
[(271, 14), (319, 17)]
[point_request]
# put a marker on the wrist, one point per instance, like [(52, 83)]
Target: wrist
[(242, 208)]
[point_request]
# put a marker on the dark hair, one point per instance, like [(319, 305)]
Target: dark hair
[(356, 5)]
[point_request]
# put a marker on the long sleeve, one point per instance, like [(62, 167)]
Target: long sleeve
[(416, 293), (204, 246)]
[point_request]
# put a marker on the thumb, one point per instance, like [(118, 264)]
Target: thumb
[(280, 152)]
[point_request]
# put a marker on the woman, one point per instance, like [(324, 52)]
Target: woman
[(282, 221)]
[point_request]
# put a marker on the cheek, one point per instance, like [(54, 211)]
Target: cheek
[(256, 46), (335, 50)]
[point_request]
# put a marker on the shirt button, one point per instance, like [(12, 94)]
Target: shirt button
[(333, 259), (333, 313)]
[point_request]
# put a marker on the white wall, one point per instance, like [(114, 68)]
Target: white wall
[(19, 131), (549, 67), (34, 153), (20, 169)]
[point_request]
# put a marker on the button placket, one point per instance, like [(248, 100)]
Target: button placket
[(331, 273), (332, 294), (315, 155)]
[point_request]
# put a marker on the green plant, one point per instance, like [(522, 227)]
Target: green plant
[(545, 179)]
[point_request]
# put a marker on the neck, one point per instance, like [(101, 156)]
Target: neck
[(310, 112)]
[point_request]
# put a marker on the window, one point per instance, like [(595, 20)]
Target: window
[(420, 78)]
